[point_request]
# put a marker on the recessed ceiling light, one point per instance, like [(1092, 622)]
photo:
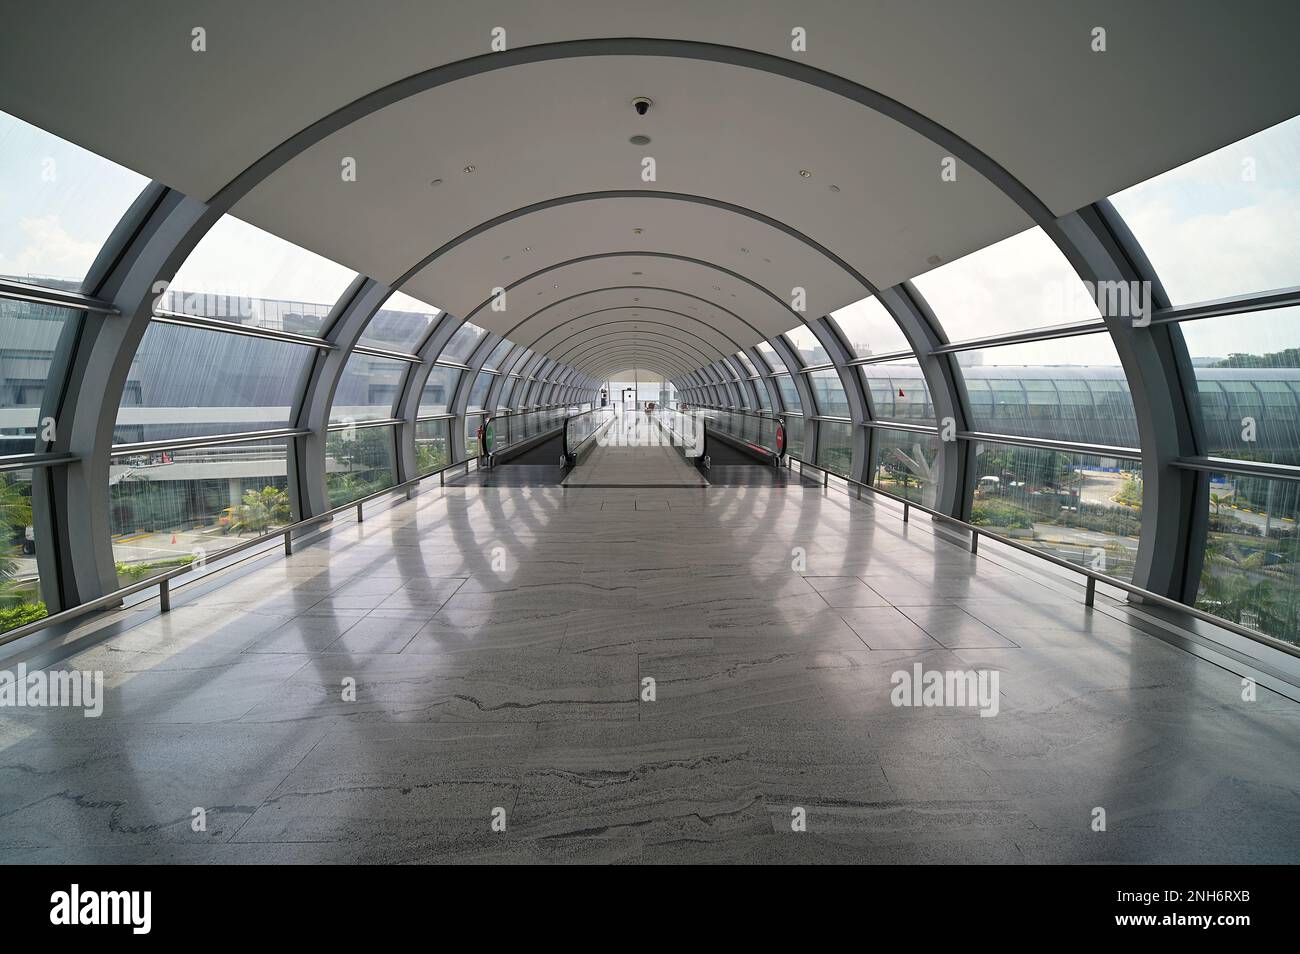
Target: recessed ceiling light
[(805, 173), (636, 231), (638, 273), (528, 248), (555, 286), (639, 140), (435, 182), (717, 288), (833, 188), (470, 168)]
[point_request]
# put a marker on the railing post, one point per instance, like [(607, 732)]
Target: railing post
[(165, 595), (360, 516), (410, 491), (826, 478), (288, 543), (1090, 594), (974, 541), (442, 478), (907, 508)]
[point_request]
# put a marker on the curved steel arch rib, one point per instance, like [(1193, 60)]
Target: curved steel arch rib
[(604, 364), (794, 70), (651, 347), (675, 362), (685, 349), (600, 311), (594, 291), (643, 321), (671, 256), (527, 210)]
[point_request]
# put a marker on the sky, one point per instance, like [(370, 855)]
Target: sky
[(1225, 224)]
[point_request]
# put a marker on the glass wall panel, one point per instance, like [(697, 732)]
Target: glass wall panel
[(240, 274), (478, 393), (1252, 555), (744, 360), (906, 464), (1021, 282), (768, 354), (789, 394), (29, 334), (367, 389), (432, 445), (1225, 224), (462, 343), (806, 345), (835, 446), (1069, 389), (172, 508), (498, 355), (438, 389), (899, 392), (359, 461), (21, 601), (1084, 509), (400, 325), (868, 328), (828, 392), (507, 389), (1247, 371), (764, 399), (58, 205), (191, 382)]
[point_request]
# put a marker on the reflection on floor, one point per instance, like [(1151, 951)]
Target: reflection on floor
[(499, 642)]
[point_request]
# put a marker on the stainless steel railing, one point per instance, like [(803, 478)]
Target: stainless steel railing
[(163, 580), (1092, 577)]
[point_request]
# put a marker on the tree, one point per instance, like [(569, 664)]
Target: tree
[(1217, 501), (261, 510)]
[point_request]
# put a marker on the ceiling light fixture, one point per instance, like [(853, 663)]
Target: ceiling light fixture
[(833, 188), (435, 182), (636, 231), (470, 169), (639, 140), (805, 173)]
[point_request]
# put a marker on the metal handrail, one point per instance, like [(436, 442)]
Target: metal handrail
[(1093, 577), (163, 580)]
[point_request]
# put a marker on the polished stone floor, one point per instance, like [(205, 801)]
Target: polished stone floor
[(499, 640)]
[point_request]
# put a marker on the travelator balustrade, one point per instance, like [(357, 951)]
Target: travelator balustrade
[(581, 431), (757, 432)]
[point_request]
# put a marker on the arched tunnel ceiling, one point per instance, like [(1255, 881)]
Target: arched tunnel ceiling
[(737, 115)]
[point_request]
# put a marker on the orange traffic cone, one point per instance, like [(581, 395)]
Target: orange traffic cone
[(173, 538)]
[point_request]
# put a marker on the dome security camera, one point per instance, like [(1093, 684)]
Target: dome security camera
[(642, 105)]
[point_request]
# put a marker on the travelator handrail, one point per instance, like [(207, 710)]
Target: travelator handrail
[(580, 429), (163, 580), (1092, 577)]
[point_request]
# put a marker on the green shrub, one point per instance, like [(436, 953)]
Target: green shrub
[(21, 615), (992, 513)]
